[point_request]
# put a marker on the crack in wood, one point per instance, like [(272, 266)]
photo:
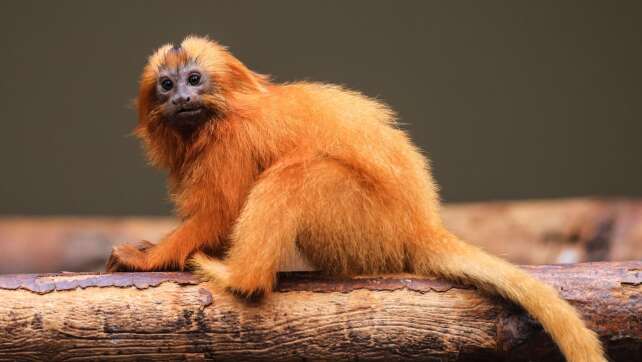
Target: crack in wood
[(633, 277)]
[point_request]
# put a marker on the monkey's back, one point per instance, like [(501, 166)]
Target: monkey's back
[(377, 189), (361, 132)]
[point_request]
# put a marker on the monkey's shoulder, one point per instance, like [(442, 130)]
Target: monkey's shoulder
[(315, 101)]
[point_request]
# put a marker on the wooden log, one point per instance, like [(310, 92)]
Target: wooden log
[(524, 232), (552, 231), (170, 316)]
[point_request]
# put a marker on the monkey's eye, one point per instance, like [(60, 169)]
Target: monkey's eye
[(194, 79), (167, 84)]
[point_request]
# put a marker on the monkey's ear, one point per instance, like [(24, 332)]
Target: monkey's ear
[(244, 78)]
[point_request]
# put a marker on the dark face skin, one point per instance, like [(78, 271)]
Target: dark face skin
[(180, 92)]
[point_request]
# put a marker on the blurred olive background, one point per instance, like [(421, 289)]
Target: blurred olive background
[(511, 99)]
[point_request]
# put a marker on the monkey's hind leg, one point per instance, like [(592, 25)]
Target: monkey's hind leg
[(327, 207), (263, 233)]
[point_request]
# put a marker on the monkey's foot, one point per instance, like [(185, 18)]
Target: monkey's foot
[(128, 257), (218, 273), (210, 269)]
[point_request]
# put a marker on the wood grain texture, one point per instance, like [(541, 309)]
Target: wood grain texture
[(171, 316), (524, 232)]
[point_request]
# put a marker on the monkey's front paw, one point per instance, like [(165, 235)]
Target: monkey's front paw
[(128, 257)]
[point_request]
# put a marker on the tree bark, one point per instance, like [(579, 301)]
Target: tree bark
[(171, 316)]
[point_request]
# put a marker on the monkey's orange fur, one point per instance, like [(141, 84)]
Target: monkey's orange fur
[(321, 168)]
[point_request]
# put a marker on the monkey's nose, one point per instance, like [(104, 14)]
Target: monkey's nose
[(181, 100)]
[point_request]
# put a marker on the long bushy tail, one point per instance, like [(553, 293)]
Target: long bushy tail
[(458, 260)]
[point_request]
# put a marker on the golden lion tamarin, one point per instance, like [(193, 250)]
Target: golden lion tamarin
[(257, 169)]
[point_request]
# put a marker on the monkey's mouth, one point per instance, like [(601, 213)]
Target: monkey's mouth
[(188, 112)]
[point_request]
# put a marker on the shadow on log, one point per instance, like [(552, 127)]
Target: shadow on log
[(170, 316)]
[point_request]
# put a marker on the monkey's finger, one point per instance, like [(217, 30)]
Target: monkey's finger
[(144, 245), (112, 264)]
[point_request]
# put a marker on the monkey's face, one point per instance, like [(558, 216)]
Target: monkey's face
[(190, 85), (180, 92)]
